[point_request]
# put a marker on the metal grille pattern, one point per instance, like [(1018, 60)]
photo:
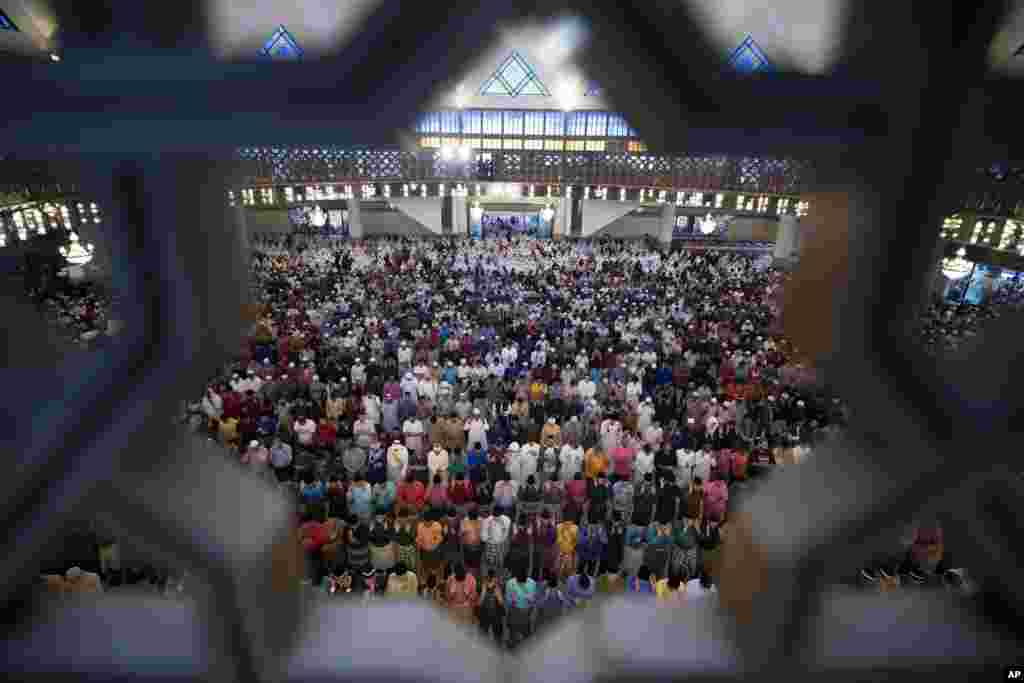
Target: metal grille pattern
[(593, 168), (915, 420)]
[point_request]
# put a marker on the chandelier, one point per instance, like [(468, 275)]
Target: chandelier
[(708, 225), (956, 268), (547, 213), (77, 254)]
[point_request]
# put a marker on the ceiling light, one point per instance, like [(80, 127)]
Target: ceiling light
[(54, 57)]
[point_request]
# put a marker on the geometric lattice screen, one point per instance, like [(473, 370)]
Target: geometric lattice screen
[(514, 77), (281, 46)]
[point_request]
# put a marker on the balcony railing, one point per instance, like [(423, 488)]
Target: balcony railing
[(764, 175)]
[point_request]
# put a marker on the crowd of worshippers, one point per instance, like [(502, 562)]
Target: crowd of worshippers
[(946, 327), (80, 314), (496, 424)]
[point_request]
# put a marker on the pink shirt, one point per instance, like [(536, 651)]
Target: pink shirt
[(622, 461)]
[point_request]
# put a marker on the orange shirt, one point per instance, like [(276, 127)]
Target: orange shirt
[(596, 463)]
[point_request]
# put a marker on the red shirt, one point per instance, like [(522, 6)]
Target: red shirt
[(314, 535), (326, 434), (622, 461), (460, 495), (412, 493), (232, 405), (577, 489)]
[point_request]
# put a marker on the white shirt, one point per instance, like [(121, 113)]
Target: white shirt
[(571, 460), (695, 591), (644, 417), (495, 529), (412, 427), (643, 463), (696, 462), (611, 435), (633, 390), (427, 389), (372, 406), (586, 389), (528, 456)]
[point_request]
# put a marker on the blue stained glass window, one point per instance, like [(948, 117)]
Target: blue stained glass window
[(592, 89), (633, 132), (492, 123), (533, 87), (597, 124), (748, 58), (534, 123), (576, 123), (282, 46), (514, 77), (429, 122), (554, 122), (617, 126), (513, 123), (6, 24), (450, 122), (471, 122)]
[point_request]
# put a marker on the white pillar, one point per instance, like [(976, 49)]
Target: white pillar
[(563, 218), (787, 240), (241, 220), (355, 222), (460, 217), (667, 225)]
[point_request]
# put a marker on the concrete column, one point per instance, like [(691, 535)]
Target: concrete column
[(355, 221), (787, 241), (460, 216), (563, 218), (240, 217), (667, 224)]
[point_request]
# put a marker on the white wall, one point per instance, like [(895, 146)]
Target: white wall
[(424, 210), (267, 220), (632, 227), (547, 49), (377, 223), (751, 228), (597, 213)]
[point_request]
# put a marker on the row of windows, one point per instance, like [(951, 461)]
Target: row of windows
[(594, 124), (550, 145), (997, 234)]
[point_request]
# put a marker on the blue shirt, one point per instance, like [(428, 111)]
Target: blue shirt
[(520, 595), (476, 458)]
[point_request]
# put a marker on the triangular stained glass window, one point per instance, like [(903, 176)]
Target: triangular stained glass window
[(748, 58), (5, 22), (281, 46), (514, 77)]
